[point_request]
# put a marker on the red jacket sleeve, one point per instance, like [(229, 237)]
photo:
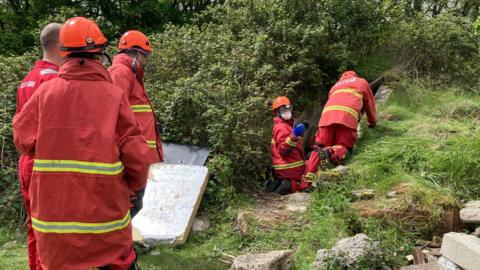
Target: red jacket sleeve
[(122, 79), (25, 127), (369, 105), (284, 141), (134, 150)]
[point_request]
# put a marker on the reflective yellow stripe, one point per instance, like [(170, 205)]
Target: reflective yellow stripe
[(141, 108), (290, 142), (80, 227), (152, 144), (288, 165), (310, 176), (348, 90), (45, 165), (273, 141), (341, 108)]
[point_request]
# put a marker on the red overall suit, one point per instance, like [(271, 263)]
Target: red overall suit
[(88, 156), (337, 128), (41, 72), (132, 84), (287, 154)]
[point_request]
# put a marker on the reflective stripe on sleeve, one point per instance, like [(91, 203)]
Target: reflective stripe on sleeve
[(310, 176), (152, 144), (141, 108), (288, 165), (44, 165), (80, 227), (290, 142)]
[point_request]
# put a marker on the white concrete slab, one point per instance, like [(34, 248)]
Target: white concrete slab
[(171, 200)]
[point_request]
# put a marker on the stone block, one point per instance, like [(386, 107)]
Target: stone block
[(462, 249)]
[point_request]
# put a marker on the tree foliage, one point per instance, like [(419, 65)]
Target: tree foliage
[(20, 20)]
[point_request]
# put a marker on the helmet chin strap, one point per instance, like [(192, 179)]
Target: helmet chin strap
[(108, 57), (134, 65)]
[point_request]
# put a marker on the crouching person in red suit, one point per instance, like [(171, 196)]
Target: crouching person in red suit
[(287, 150), (337, 128)]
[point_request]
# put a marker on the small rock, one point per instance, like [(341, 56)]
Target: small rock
[(348, 252), (341, 169), (392, 194), (436, 252), (431, 258), (477, 232), (200, 224), (410, 258), (470, 215), (297, 202), (241, 222), (363, 194), (274, 260)]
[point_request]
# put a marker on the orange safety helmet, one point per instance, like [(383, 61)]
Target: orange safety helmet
[(79, 34), (348, 74), (280, 101), (134, 38)]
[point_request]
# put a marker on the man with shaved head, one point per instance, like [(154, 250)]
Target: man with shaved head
[(43, 70)]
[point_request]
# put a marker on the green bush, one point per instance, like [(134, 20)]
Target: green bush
[(444, 47), (12, 71)]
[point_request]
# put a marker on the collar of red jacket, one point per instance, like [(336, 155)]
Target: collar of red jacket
[(279, 120), (126, 60), (46, 64), (83, 69)]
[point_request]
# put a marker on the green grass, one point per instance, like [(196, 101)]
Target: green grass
[(427, 137)]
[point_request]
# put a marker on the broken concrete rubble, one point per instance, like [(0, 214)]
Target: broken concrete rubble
[(462, 249), (200, 224), (447, 264), (242, 223), (471, 212), (348, 252), (297, 202), (274, 260)]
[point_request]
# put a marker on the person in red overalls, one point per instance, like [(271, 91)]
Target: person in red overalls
[(89, 155), (127, 73), (337, 128), (44, 70), (287, 150)]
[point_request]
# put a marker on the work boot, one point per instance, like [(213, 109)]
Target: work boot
[(284, 188), (324, 157), (271, 185)]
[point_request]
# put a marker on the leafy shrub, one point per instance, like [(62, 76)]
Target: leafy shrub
[(12, 71), (444, 47)]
